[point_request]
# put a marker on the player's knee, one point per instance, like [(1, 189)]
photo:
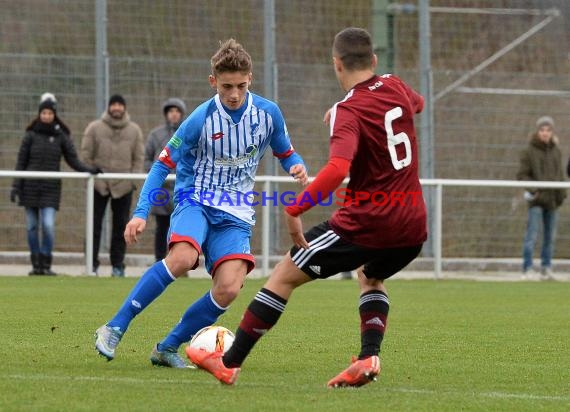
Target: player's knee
[(280, 273), (179, 267), (181, 259), (225, 294)]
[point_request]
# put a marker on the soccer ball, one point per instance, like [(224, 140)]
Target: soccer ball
[(212, 339)]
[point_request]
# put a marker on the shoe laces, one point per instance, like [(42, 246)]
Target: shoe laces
[(114, 337)]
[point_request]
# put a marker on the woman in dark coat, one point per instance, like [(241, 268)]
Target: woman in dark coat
[(47, 138)]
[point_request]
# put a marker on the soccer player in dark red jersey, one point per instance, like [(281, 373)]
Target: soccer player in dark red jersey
[(380, 228)]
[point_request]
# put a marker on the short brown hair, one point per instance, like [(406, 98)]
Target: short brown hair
[(231, 57), (353, 46)]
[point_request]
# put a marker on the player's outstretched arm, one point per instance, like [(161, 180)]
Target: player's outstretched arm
[(152, 188), (134, 228)]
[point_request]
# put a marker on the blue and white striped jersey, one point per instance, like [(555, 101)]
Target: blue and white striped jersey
[(216, 153)]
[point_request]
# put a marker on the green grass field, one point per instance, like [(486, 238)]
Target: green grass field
[(451, 345)]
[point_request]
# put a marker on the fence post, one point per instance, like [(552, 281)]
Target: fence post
[(438, 229), (270, 89), (101, 57), (265, 230), (89, 211), (426, 119)]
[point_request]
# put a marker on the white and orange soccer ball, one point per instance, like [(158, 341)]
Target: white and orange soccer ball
[(213, 339)]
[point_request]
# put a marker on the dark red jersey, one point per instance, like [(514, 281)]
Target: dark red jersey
[(373, 128)]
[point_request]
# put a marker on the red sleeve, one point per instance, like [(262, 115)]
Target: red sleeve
[(328, 179)]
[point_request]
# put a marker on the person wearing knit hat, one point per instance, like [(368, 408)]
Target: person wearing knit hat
[(545, 121), (117, 98), (174, 110), (48, 96), (541, 161), (117, 106), (46, 141), (115, 144), (49, 105)]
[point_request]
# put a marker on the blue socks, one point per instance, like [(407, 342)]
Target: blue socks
[(204, 312), (148, 288)]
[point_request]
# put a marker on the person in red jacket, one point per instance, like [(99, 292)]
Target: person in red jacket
[(379, 229)]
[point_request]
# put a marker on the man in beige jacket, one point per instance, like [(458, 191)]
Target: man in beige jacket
[(115, 144)]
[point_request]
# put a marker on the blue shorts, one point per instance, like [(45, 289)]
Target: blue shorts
[(217, 234)]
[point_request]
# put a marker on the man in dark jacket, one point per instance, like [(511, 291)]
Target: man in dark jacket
[(542, 161), (45, 142), (115, 144), (174, 110)]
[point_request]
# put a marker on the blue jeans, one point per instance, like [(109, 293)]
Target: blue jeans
[(536, 214), (45, 215)]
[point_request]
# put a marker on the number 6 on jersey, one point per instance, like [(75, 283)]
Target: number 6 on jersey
[(394, 140)]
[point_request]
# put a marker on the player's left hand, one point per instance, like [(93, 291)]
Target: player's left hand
[(295, 226), (299, 173)]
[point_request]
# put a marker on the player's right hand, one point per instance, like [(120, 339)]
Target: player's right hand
[(134, 227)]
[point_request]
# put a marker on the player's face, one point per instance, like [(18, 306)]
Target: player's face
[(545, 133), (47, 116), (231, 87)]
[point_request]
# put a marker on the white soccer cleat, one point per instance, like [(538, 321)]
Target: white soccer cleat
[(106, 340)]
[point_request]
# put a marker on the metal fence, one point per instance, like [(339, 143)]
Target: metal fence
[(268, 185), (489, 69)]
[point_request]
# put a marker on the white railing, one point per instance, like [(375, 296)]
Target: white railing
[(266, 215)]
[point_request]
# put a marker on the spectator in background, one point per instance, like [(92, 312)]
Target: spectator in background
[(541, 161), (47, 138), (174, 110), (115, 144)]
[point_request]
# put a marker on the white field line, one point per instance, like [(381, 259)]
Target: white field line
[(127, 380)]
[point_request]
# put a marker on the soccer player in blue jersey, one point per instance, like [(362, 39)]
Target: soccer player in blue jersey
[(216, 152)]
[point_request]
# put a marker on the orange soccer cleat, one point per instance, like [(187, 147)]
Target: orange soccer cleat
[(212, 362), (360, 372)]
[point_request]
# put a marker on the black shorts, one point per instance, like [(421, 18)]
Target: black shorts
[(329, 254)]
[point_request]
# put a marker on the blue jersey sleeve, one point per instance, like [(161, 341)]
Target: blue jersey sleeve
[(184, 139), (154, 180), (281, 143)]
